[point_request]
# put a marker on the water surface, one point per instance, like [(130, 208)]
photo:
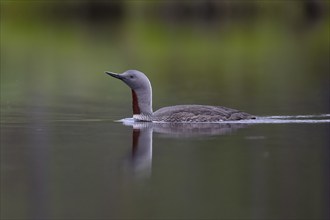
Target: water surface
[(58, 168)]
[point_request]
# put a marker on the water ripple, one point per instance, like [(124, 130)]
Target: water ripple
[(276, 119)]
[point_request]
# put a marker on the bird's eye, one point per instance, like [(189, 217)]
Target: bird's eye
[(131, 77)]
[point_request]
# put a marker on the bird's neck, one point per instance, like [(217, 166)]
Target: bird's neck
[(142, 104), (135, 103)]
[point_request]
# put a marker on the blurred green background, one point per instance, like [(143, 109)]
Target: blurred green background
[(265, 57)]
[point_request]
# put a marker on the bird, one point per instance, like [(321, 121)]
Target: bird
[(142, 105)]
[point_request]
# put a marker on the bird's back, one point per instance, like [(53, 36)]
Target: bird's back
[(198, 113)]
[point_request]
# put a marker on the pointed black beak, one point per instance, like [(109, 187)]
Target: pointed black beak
[(118, 76)]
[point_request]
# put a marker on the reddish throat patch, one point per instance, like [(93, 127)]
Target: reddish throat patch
[(136, 108)]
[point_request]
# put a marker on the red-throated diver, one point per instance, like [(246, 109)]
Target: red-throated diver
[(142, 105)]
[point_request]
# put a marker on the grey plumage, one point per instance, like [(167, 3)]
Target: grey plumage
[(198, 113), (142, 106)]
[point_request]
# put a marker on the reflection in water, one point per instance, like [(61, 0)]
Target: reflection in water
[(142, 133), (142, 138), (142, 151)]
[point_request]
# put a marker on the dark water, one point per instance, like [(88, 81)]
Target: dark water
[(64, 157), (97, 168)]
